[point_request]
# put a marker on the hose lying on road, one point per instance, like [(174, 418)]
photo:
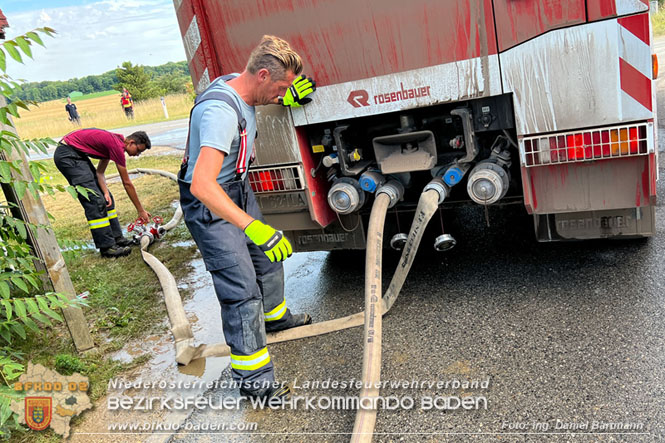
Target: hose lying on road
[(181, 329), (371, 372)]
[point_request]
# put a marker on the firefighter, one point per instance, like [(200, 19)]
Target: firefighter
[(127, 103), (72, 160), (242, 253)]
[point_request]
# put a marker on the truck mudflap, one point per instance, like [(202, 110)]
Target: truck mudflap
[(618, 223)]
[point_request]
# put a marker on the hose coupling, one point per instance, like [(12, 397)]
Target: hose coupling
[(439, 186), (393, 189)]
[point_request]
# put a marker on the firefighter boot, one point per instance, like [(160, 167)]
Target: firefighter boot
[(293, 321), (115, 251), (123, 241), (274, 394), (276, 314)]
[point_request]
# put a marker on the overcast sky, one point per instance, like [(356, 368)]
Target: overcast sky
[(93, 36)]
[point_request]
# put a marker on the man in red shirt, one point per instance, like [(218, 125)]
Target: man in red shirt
[(72, 159)]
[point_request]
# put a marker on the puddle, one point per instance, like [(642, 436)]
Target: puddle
[(203, 312), (183, 244)]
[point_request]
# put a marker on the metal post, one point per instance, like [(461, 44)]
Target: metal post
[(166, 112)]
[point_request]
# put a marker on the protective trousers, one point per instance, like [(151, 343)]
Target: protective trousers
[(249, 287), (78, 170)]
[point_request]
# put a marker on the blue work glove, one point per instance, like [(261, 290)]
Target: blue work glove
[(297, 93), (272, 242)]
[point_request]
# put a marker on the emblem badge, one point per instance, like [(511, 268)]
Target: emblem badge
[(38, 412)]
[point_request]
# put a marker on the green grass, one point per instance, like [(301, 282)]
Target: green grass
[(93, 95), (125, 302), (658, 22)]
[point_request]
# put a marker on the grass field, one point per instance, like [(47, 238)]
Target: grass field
[(89, 96), (49, 119)]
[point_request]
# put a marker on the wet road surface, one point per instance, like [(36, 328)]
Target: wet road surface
[(566, 335)]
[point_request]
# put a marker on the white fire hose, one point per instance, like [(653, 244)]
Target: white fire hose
[(365, 421)]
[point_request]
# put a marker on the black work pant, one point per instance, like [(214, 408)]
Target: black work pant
[(79, 171)]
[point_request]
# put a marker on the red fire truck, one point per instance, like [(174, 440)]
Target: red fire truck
[(541, 103)]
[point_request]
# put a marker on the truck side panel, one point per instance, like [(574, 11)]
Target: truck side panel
[(601, 9), (519, 21), (590, 75), (347, 40)]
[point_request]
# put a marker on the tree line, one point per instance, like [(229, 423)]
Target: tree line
[(142, 81)]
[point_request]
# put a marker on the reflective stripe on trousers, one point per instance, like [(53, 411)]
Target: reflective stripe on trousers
[(250, 362), (99, 223)]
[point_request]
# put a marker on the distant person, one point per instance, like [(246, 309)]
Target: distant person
[(127, 103), (72, 158), (73, 113)]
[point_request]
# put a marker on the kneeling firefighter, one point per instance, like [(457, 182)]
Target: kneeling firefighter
[(241, 252)]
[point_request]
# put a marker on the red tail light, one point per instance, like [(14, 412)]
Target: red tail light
[(589, 145)]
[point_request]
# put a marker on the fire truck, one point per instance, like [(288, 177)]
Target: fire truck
[(545, 104)]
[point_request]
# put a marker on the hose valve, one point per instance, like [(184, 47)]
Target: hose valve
[(393, 189), (439, 186), (153, 231)]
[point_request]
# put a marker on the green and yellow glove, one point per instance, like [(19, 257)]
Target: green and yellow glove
[(272, 242), (297, 93)]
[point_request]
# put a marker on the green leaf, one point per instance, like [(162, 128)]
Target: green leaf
[(48, 31), (19, 307), (30, 324), (4, 289), (52, 314), (32, 280), (5, 171), (8, 308), (10, 47), (32, 306), (72, 192), (35, 37), (13, 109), (22, 104), (35, 171), (3, 60), (41, 301), (20, 227), (20, 283), (4, 333), (19, 187), (19, 329), (24, 45), (42, 318), (83, 191)]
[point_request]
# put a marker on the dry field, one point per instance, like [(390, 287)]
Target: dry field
[(50, 119)]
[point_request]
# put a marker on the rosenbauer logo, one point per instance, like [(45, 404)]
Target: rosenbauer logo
[(360, 97)]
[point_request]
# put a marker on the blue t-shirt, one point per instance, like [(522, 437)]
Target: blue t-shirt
[(215, 124)]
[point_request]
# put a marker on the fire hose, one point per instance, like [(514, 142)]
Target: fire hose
[(433, 194)]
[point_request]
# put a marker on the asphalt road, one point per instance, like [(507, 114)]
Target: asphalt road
[(568, 337)]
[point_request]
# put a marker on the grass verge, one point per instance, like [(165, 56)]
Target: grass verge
[(125, 301)]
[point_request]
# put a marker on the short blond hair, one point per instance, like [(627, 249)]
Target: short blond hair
[(275, 55)]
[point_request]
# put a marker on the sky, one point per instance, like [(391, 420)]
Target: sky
[(93, 36)]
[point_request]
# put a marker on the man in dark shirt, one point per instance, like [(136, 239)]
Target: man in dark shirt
[(72, 159), (73, 113)]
